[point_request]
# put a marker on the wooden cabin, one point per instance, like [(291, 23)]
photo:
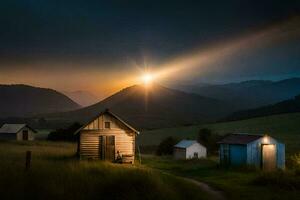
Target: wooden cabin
[(107, 137), (20, 132), (189, 149), (261, 151)]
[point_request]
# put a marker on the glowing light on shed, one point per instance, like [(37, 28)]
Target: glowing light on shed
[(266, 139)]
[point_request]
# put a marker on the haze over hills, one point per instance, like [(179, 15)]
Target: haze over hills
[(154, 107), (83, 98), (287, 106), (24, 100), (160, 107), (248, 94)]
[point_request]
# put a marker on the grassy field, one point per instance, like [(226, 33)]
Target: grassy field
[(237, 183), (56, 174), (42, 134), (285, 127)]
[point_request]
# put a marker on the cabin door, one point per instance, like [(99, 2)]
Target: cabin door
[(25, 135), (107, 148), (268, 157)]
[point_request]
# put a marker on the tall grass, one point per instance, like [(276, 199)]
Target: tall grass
[(283, 180), (56, 174)]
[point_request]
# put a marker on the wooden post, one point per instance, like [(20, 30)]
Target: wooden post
[(28, 160), (139, 155)]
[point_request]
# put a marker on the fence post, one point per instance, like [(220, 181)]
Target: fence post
[(140, 158), (28, 160)]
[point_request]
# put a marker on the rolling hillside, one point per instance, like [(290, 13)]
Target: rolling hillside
[(154, 107), (285, 127), (287, 106), (248, 94), (24, 100)]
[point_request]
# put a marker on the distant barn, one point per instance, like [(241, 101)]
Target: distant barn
[(17, 132), (188, 149), (258, 150), (107, 137)]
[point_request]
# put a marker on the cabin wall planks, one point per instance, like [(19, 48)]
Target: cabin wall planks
[(92, 136)]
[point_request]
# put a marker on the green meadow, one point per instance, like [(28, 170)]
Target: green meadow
[(284, 127), (235, 183), (55, 173)]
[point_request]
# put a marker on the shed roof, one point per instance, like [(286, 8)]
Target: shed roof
[(13, 128), (107, 111), (240, 138), (185, 143)]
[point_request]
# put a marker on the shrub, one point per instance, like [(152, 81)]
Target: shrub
[(166, 146), (204, 135), (208, 139), (67, 134), (294, 161)]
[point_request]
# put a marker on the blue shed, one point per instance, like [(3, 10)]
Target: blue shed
[(261, 151)]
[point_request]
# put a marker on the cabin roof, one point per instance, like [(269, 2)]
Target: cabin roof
[(107, 111), (240, 138), (185, 143), (14, 128)]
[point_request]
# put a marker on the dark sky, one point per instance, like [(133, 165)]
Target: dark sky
[(105, 37)]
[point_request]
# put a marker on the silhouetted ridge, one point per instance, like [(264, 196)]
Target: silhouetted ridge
[(155, 107), (24, 100)]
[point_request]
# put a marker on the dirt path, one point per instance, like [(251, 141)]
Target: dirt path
[(215, 193), (203, 186)]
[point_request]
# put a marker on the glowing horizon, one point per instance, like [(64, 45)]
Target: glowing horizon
[(104, 82)]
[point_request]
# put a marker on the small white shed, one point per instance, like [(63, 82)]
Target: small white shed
[(188, 149), (16, 132)]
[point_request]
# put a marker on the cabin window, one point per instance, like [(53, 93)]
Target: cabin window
[(107, 124)]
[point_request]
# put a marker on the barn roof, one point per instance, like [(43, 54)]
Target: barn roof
[(185, 143), (14, 128), (107, 111), (240, 138)]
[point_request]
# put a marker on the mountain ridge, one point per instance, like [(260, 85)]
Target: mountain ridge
[(154, 107), (249, 94), (19, 100)]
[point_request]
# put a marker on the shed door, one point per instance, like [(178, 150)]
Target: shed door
[(225, 159), (107, 148), (269, 157), (25, 134)]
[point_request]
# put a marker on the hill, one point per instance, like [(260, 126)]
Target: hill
[(287, 106), (83, 98), (154, 107), (248, 94), (284, 127), (24, 100)]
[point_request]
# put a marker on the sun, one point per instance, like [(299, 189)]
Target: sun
[(147, 78)]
